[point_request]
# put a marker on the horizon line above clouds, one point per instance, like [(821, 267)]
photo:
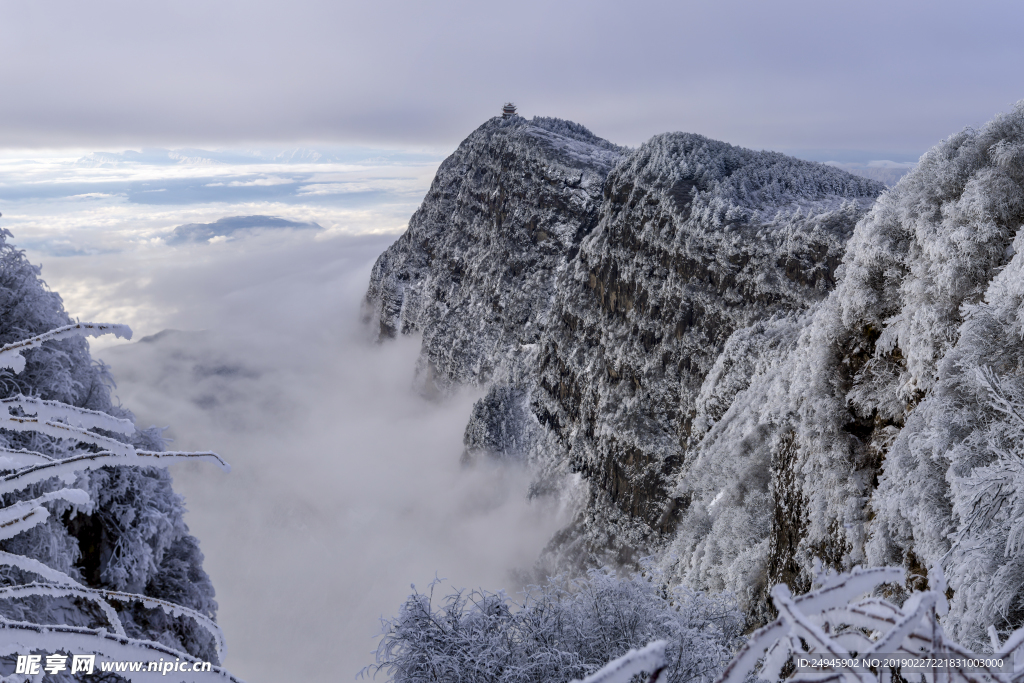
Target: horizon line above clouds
[(79, 203), (141, 201)]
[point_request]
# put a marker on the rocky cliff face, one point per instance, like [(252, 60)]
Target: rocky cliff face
[(697, 239), (744, 363), (593, 303), (475, 272), (887, 427)]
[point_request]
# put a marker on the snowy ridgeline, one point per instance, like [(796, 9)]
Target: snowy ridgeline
[(95, 556), (747, 360)]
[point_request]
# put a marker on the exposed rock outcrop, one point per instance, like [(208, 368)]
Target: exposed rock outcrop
[(593, 306), (745, 362), (697, 239), (475, 271)]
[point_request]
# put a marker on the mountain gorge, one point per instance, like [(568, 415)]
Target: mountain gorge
[(735, 361)]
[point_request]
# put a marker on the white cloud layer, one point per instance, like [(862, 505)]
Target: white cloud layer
[(73, 203), (346, 487)]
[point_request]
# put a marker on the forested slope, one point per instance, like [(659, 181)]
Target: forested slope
[(892, 429)]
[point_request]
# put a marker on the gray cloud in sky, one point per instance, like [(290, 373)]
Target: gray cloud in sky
[(789, 75)]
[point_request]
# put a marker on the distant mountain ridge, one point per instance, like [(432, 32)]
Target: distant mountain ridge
[(739, 361)]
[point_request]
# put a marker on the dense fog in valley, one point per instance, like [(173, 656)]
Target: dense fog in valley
[(345, 485)]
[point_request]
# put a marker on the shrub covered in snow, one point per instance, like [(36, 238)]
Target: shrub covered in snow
[(563, 630)]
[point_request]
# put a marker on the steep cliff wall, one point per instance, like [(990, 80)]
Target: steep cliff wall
[(593, 307), (696, 240), (474, 273), (746, 363), (888, 429)]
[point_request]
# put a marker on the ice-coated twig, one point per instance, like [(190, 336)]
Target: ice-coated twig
[(174, 610), (914, 610), (36, 567), (10, 354), (101, 596), (26, 637), (1012, 644), (776, 658), (14, 460), (26, 514), (69, 467), (168, 456), (60, 430), (841, 590), (650, 659), (749, 655), (43, 589), (819, 640), (819, 623), (79, 417)]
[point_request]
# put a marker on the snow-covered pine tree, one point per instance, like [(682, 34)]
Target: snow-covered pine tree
[(94, 552)]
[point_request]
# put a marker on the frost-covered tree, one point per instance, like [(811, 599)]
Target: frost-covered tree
[(971, 433), (873, 428), (94, 553), (845, 633), (564, 630)]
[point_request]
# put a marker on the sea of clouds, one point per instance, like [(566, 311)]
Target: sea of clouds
[(242, 275)]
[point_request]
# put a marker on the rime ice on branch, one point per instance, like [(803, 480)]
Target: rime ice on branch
[(838, 623), (88, 450)]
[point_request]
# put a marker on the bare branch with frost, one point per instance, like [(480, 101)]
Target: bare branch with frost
[(69, 467), (49, 411), (62, 421), (650, 659), (833, 623), (10, 354), (25, 637)]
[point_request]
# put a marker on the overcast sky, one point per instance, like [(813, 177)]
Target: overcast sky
[(869, 76), (321, 427)]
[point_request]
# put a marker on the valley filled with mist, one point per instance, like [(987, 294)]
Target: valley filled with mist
[(575, 356)]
